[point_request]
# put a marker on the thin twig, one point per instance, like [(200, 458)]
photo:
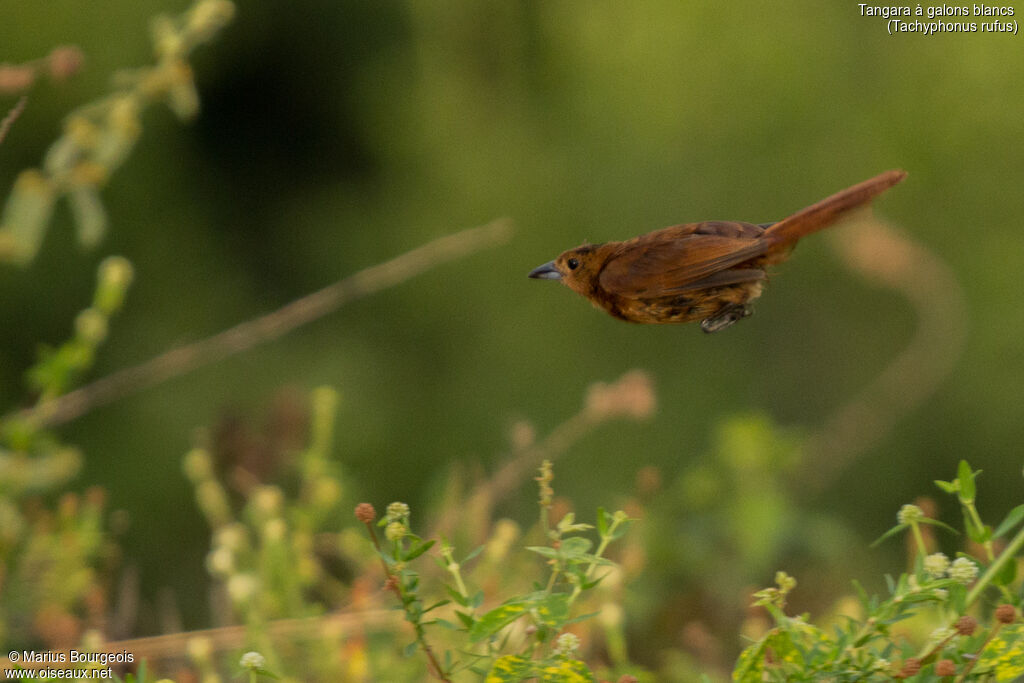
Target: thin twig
[(12, 116), (516, 470), (977, 655), (486, 494), (631, 396), (270, 326)]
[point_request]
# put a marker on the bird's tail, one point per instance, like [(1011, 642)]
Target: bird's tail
[(831, 209)]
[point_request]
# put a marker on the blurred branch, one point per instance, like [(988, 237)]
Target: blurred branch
[(892, 259), (270, 326), (174, 645), (12, 116), (63, 62), (631, 396)]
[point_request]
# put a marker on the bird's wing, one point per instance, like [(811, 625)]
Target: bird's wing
[(683, 258), (733, 276)]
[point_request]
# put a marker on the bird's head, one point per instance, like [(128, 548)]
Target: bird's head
[(577, 268)]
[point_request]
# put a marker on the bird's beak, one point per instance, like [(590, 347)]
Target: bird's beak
[(546, 272)]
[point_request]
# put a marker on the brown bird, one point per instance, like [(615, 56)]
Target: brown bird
[(707, 271)]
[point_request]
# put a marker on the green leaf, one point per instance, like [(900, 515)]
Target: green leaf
[(575, 546), (750, 665), (862, 594), (436, 605), (957, 599), (891, 532), (568, 525), (410, 649), (543, 550), (917, 597), (965, 477), (942, 525), (947, 486), (582, 617), (456, 596), (621, 530), (587, 585), (1012, 519), (603, 519), (587, 558), (535, 597), (977, 534), (497, 619), (473, 553), (466, 619), (1006, 574), (553, 610), (418, 550)]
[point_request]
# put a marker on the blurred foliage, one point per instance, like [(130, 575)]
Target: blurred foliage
[(334, 135), (99, 136), (524, 637), (730, 515), (50, 589), (922, 631)]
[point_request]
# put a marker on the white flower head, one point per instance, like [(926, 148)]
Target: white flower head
[(252, 661)]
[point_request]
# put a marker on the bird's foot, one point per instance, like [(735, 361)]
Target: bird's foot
[(725, 317)]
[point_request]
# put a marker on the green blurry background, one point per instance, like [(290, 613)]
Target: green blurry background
[(335, 135)]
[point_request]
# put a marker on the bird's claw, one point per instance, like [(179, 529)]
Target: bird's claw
[(725, 317)]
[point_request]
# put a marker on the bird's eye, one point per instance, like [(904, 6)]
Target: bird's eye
[(573, 264)]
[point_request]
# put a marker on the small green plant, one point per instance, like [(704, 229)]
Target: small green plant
[(49, 557), (525, 636), (940, 621), (294, 581)]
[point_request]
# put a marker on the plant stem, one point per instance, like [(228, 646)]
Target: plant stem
[(551, 582), (970, 664), (376, 544), (454, 569), (12, 116), (421, 639), (919, 539), (1008, 554), (976, 519), (395, 584)]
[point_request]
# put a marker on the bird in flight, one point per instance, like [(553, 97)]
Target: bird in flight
[(708, 271)]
